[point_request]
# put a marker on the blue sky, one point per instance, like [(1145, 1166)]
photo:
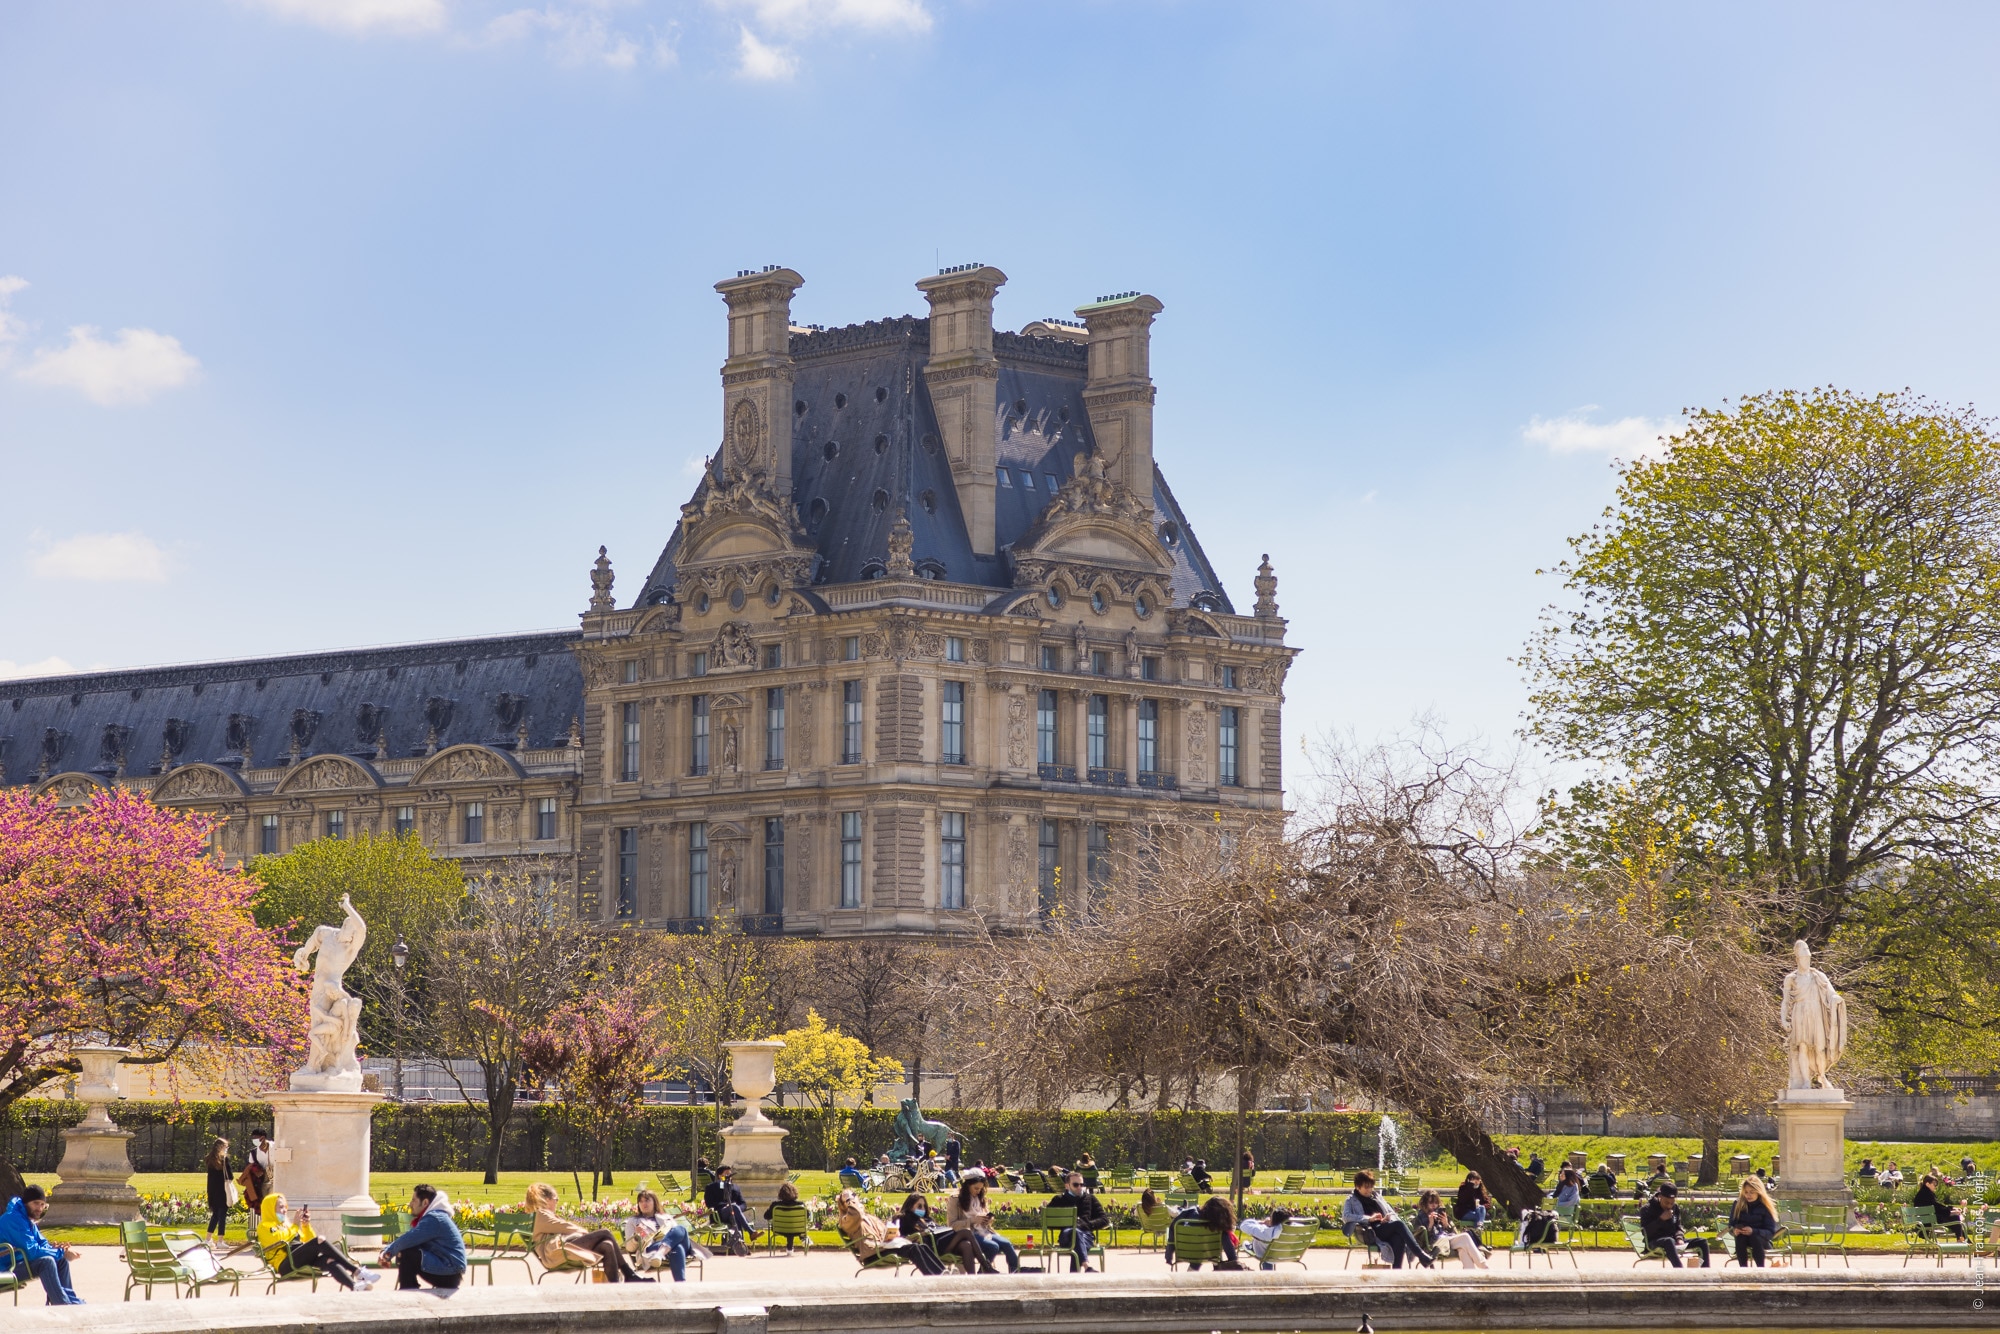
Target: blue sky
[(337, 322)]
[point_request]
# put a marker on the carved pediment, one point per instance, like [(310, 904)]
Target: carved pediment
[(739, 518), (199, 782), (466, 764), (1092, 520), (329, 773), (72, 789)]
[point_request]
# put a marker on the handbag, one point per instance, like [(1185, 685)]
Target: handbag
[(232, 1193)]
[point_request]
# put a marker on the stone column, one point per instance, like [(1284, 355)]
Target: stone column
[(320, 1146), (755, 1145), (1812, 1137), (96, 1170)]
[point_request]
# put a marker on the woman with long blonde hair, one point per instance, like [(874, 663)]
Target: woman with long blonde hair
[(216, 1165), (1753, 1221), (559, 1240)]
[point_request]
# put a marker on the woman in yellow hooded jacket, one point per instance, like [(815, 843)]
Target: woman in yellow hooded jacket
[(287, 1246)]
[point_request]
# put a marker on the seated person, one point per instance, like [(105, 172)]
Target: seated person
[(1199, 1171), (1215, 1213), (1366, 1212), (1090, 1219), (969, 1211), (1536, 1168), (560, 1242), (20, 1227), (1927, 1198), (654, 1240), (1661, 1222), (726, 1204), (870, 1236), (1473, 1205), (1436, 1228), (287, 1246), (787, 1194), (1569, 1185), (1890, 1176), (1753, 1222), (1258, 1234), (918, 1224), (1867, 1170)]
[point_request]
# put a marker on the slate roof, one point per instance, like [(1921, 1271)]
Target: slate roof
[(469, 689), (865, 447)]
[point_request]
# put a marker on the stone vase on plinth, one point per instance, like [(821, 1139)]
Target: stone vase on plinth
[(755, 1145), (1812, 1146), (96, 1169)]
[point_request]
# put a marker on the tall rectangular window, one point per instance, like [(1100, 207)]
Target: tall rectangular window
[(336, 824), (774, 728), (1100, 663), (631, 670), (1228, 677), (850, 649), (1149, 669), (850, 859), (406, 820), (1051, 658), (697, 664), (954, 649), (774, 655), (698, 735), (850, 722), (267, 835), (951, 722), (1051, 866), (1098, 738), (475, 822), (1149, 736), (951, 859), (545, 818), (628, 762), (774, 865), (1097, 856), (1225, 736), (698, 869), (1047, 727), (628, 871)]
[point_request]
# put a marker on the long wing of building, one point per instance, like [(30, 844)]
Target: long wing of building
[(930, 637)]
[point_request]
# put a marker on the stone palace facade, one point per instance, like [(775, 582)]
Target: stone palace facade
[(931, 636)]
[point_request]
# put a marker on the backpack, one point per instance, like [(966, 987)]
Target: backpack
[(1539, 1227)]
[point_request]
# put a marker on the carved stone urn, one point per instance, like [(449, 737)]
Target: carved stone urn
[(754, 1144), (96, 1169)]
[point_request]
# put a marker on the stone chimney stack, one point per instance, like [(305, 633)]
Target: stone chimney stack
[(964, 379), (1118, 393), (757, 376)]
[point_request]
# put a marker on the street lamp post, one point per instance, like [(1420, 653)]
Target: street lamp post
[(399, 955)]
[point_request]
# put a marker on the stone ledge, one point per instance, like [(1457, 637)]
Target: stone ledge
[(1194, 1303)]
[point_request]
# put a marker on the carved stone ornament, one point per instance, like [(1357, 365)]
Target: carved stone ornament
[(1197, 745), (733, 647), (1267, 590), (596, 668), (600, 583), (1020, 866), (746, 434), (196, 781), (1017, 731), (465, 764), (1267, 678), (901, 542), (326, 773), (74, 789)]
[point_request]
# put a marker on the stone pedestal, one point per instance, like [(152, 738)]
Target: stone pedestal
[(320, 1141), (755, 1145), (1812, 1139), (96, 1170)]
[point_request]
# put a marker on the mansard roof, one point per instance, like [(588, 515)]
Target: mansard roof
[(477, 690), (865, 448)]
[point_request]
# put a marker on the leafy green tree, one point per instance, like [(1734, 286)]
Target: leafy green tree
[(825, 1064), (1789, 623), (400, 889)]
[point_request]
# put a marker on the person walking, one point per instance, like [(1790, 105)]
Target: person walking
[(432, 1248), (1661, 1222), (216, 1165), (1753, 1221)]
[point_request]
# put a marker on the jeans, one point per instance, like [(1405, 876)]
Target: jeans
[(410, 1264), (674, 1246), (1081, 1240), (53, 1271), (1477, 1218), (732, 1215), (1673, 1252), (218, 1218), (992, 1244), (1401, 1243)]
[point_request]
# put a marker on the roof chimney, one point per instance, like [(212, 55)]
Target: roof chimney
[(757, 376), (964, 381), (1119, 391)]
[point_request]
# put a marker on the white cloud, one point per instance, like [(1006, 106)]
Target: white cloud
[(103, 558), (758, 61), (1575, 433), (807, 15), (129, 367), (361, 15), (11, 670), (12, 327), (579, 35)]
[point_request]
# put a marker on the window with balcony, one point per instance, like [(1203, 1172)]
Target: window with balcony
[(1097, 737), (1149, 736), (774, 865), (1048, 726)]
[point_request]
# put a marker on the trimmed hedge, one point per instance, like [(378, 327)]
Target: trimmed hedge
[(431, 1137)]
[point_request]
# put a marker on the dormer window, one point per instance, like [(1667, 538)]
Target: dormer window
[(1005, 480), (1027, 479)]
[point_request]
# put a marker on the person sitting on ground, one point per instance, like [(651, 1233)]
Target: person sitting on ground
[(1569, 1186), (1867, 1169), (1090, 1219), (653, 1240), (787, 1194), (1537, 1169), (968, 1211), (870, 1236), (1473, 1205), (1927, 1198), (1661, 1222), (727, 1207), (919, 1224), (1753, 1221), (287, 1245), (1365, 1209), (432, 1247), (20, 1227), (558, 1242), (1436, 1228)]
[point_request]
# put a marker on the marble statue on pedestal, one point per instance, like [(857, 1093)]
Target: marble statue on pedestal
[(1814, 1018), (335, 1031)]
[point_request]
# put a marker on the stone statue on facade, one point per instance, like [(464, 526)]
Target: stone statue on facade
[(335, 1031), (1814, 1018)]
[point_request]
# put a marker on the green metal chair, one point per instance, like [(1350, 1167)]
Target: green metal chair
[(359, 1232), (1821, 1230), (1293, 1184), (1635, 1236), (1055, 1222), (510, 1237), (1193, 1243), (890, 1260), (1289, 1247), (1565, 1241), (1122, 1178), (1927, 1236), (1153, 1227), (1161, 1181), (789, 1221), (149, 1262)]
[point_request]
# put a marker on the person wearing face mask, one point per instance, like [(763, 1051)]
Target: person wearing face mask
[(918, 1225), (287, 1244)]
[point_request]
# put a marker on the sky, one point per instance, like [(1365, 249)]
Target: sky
[(327, 323)]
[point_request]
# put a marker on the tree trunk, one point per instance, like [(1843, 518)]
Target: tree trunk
[(1468, 1142), (694, 1145), (499, 1110), (1236, 1164), (11, 1181), (1711, 1152)]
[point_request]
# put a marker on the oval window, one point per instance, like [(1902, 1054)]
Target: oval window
[(736, 599), (1055, 597), (1142, 606), (702, 604), (1097, 602)]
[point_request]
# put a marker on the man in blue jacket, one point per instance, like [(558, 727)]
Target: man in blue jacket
[(46, 1260), (432, 1247)]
